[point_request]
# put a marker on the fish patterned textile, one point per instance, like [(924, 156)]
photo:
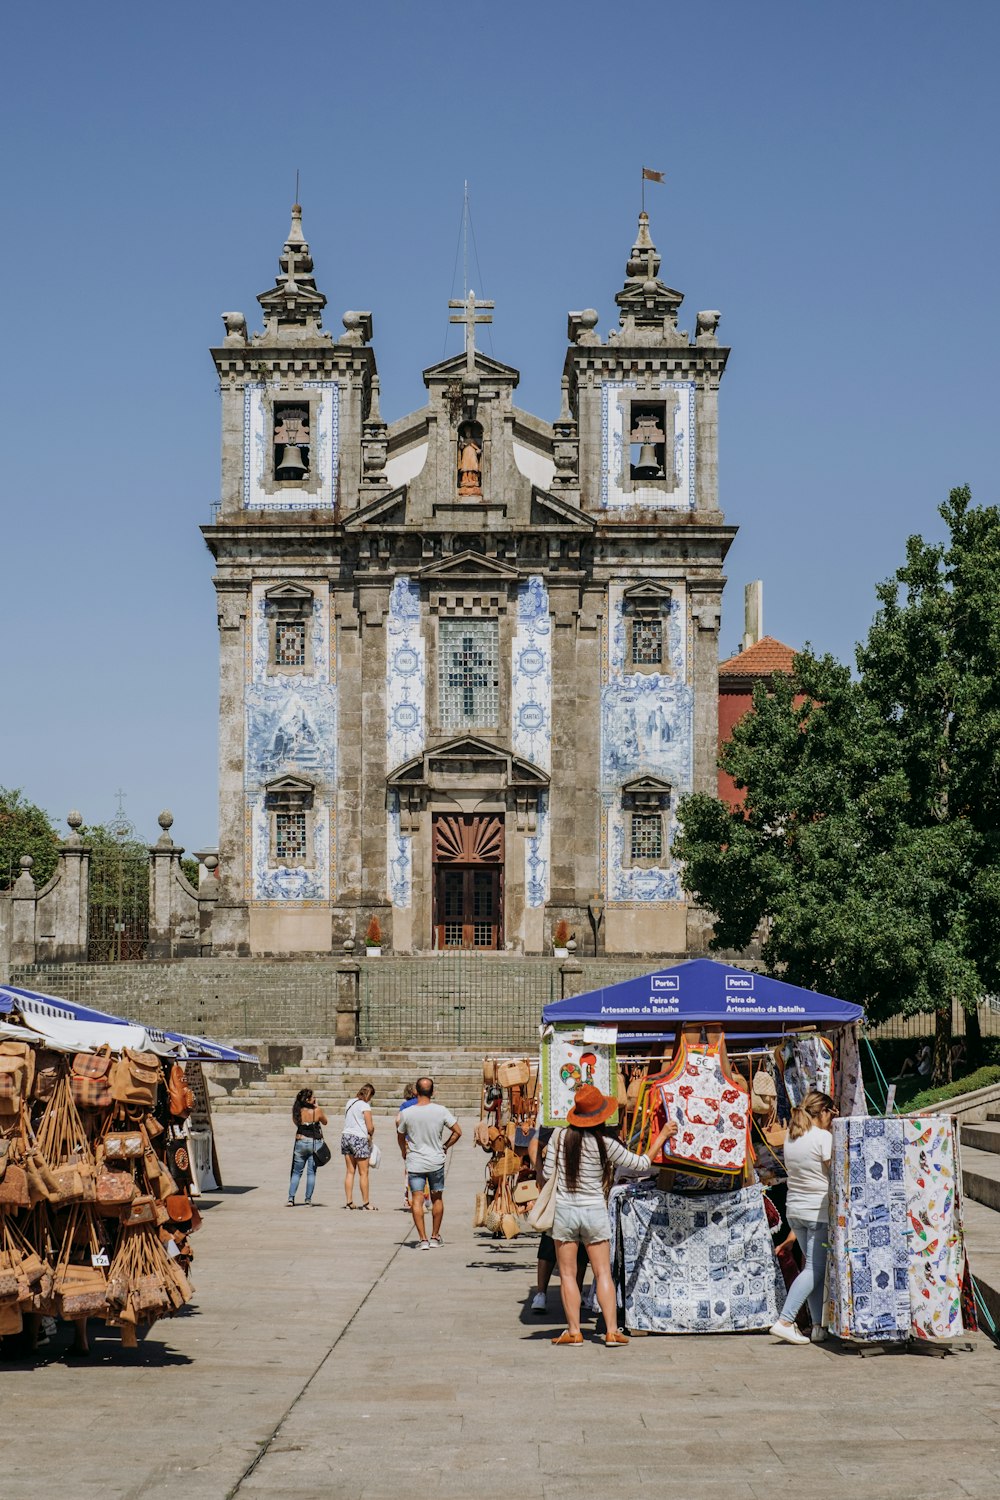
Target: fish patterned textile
[(937, 1248), (711, 1109), (806, 1062), (868, 1281), (697, 1263)]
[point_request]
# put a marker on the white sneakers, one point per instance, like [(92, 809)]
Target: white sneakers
[(818, 1335), (538, 1304), (424, 1245), (788, 1332)]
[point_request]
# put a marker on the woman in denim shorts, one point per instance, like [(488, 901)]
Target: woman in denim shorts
[(585, 1158), (356, 1144)]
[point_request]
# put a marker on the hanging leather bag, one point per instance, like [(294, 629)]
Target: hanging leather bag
[(180, 1094), (509, 1073), (135, 1079), (90, 1079), (17, 1073)]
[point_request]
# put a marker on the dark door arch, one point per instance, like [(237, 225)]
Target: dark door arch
[(468, 851)]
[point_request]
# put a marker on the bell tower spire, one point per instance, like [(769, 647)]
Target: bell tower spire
[(293, 307), (648, 308)]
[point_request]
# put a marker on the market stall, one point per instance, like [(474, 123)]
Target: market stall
[(726, 1053), (97, 1173), (507, 1114)]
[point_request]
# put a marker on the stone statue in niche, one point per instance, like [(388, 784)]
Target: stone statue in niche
[(470, 457)]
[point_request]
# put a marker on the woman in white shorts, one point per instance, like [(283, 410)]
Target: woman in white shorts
[(585, 1158)]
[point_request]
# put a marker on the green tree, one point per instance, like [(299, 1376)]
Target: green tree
[(25, 829), (870, 845)]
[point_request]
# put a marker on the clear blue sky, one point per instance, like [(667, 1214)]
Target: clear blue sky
[(831, 186)]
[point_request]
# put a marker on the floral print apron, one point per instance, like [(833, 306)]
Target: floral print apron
[(711, 1108)]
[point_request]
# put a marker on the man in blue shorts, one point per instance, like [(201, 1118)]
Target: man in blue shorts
[(426, 1133)]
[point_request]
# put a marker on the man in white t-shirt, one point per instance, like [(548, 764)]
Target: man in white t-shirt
[(426, 1133)]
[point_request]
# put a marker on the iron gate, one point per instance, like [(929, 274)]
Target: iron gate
[(459, 999), (118, 901)]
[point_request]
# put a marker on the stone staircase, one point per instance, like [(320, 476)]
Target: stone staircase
[(457, 1075), (981, 1180)]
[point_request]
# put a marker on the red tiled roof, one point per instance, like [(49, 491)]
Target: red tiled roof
[(761, 660)]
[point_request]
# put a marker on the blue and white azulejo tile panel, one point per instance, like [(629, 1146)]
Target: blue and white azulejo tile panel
[(618, 490), (290, 728), (405, 721), (537, 857), (647, 728), (531, 718), (399, 858), (276, 883), (319, 639), (406, 675), (258, 451)]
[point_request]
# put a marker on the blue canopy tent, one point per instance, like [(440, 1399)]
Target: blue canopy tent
[(54, 1007), (702, 990)]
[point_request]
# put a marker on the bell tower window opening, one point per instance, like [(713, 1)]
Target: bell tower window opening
[(290, 836), (647, 836), (468, 674), (291, 441), (289, 804), (647, 643), (647, 440), (290, 643)]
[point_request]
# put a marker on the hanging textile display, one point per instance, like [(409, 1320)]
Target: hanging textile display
[(571, 1057), (868, 1285), (711, 1107), (694, 1264), (806, 1062), (848, 1091), (936, 1242)]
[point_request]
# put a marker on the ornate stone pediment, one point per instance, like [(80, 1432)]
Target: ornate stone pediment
[(289, 784), (455, 367), (463, 764), (468, 566), (548, 510), (648, 597), (389, 510), (646, 793)]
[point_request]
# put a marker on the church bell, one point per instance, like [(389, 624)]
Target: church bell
[(291, 465), (647, 467)]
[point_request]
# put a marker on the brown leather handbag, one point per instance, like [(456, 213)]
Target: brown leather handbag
[(135, 1079), (115, 1189), (509, 1073), (90, 1079)]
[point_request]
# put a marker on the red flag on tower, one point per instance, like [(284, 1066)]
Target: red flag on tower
[(648, 175)]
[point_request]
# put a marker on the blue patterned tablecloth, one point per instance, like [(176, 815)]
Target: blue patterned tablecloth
[(695, 1263)]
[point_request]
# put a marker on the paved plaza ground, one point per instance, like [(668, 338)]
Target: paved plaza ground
[(325, 1358)]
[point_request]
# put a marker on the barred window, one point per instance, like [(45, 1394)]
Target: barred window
[(290, 644), (647, 643), (468, 674), (290, 835), (647, 836)]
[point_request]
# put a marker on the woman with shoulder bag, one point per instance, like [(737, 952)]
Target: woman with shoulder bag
[(808, 1153), (585, 1158), (309, 1121), (356, 1145)]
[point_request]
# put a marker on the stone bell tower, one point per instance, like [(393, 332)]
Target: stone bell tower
[(299, 425)]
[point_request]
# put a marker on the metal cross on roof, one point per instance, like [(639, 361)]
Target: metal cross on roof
[(470, 317)]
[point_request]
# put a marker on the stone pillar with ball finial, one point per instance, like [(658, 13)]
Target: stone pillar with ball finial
[(174, 911)]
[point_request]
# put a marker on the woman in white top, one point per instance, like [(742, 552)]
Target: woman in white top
[(356, 1144), (585, 1158), (808, 1149)]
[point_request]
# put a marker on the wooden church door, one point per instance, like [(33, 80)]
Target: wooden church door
[(467, 850)]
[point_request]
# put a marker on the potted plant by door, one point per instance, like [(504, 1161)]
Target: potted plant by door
[(560, 938), (373, 939)]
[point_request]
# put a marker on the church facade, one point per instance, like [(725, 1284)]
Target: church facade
[(468, 659)]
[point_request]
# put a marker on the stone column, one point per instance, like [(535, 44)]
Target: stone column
[(568, 728), (208, 896), (371, 732), (706, 614), (161, 869), (232, 921), (348, 999), (73, 895), (22, 935), (570, 978)]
